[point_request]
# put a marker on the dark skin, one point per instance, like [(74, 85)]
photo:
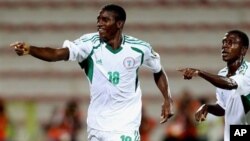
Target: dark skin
[(110, 31), (232, 53), (162, 83)]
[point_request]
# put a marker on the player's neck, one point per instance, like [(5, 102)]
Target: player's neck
[(115, 43), (232, 67)]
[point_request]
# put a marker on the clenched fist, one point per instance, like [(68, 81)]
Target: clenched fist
[(189, 73)]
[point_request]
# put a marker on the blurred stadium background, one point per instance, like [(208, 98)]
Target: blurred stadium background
[(186, 33)]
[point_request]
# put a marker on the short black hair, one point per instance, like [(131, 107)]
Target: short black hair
[(118, 10), (243, 37)]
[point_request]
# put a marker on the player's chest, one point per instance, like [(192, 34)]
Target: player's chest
[(226, 95), (122, 59)]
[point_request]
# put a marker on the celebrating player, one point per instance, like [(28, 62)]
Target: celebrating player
[(232, 82), (111, 61)]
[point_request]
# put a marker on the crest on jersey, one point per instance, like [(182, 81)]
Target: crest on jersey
[(129, 62)]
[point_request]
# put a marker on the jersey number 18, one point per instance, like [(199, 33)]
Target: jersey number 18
[(114, 77)]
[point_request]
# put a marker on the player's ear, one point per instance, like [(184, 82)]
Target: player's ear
[(120, 24), (243, 51)]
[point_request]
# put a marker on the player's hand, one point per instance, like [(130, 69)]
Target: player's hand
[(189, 73), (201, 113), (167, 110), (21, 48)]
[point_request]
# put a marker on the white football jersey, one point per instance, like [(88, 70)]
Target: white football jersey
[(115, 92), (236, 102)]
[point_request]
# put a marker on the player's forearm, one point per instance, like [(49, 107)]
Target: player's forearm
[(215, 110), (161, 81), (218, 81), (49, 54)]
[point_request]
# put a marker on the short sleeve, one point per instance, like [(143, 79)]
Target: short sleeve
[(78, 50), (152, 61)]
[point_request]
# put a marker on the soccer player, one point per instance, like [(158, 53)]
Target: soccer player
[(111, 61), (232, 82)]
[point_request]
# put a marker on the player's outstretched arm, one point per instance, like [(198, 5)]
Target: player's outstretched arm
[(162, 83), (218, 81), (43, 53)]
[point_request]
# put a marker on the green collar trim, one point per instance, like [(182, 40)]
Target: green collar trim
[(113, 50)]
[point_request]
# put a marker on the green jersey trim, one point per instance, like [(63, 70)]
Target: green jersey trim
[(243, 68), (90, 69), (139, 51), (113, 50), (88, 64), (137, 136), (136, 79), (135, 41), (246, 102), (93, 38), (142, 58)]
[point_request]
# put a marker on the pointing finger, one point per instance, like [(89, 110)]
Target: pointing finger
[(181, 70)]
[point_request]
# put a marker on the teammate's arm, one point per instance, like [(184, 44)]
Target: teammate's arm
[(218, 81), (162, 83), (44, 53), (214, 109)]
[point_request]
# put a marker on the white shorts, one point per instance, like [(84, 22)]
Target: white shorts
[(97, 135)]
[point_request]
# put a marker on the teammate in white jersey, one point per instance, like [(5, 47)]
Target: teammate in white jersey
[(111, 61), (232, 82)]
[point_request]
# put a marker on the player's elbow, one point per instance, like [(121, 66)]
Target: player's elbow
[(230, 86)]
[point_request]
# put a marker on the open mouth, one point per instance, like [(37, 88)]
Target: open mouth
[(101, 30)]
